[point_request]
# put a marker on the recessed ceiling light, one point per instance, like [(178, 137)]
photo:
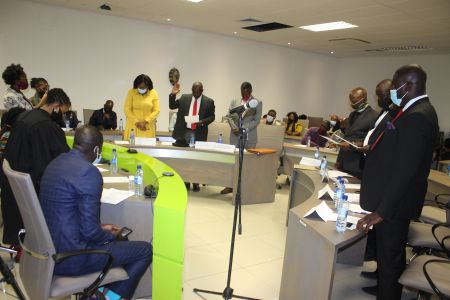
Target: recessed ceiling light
[(289, 44), (332, 52), (235, 32), (195, 1), (168, 19), (328, 26)]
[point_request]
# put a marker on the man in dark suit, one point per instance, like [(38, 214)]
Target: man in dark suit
[(192, 105), (104, 118), (360, 121), (394, 182), (70, 194)]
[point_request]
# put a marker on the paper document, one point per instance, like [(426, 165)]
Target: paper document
[(350, 143), (115, 180), (352, 197), (321, 211), (356, 209), (303, 167), (353, 186), (310, 162), (166, 143), (300, 145), (145, 141), (115, 196), (121, 142), (191, 119), (329, 139), (215, 147), (325, 193), (166, 139), (336, 174), (101, 169)]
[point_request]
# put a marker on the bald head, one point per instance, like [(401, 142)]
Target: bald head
[(197, 89), (410, 81), (87, 138), (382, 91)]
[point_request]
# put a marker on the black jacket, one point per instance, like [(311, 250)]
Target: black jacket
[(395, 177), (359, 123), (96, 119), (206, 115)]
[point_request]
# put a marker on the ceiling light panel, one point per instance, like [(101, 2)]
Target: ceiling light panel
[(328, 26)]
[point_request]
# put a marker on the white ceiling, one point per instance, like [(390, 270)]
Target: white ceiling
[(384, 23)]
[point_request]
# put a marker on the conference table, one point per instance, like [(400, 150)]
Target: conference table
[(313, 247), (217, 168), (108, 135), (135, 212)]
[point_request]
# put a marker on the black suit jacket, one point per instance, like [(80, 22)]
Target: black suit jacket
[(206, 115), (359, 123), (96, 119), (395, 177)]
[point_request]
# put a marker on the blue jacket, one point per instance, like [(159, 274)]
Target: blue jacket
[(70, 193)]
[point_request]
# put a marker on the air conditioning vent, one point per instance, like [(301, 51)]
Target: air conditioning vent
[(267, 27), (401, 49), (349, 41)]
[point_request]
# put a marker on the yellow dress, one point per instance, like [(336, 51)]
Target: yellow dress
[(140, 108), (298, 129)]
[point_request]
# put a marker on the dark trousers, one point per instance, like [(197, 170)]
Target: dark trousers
[(134, 257), (391, 238)]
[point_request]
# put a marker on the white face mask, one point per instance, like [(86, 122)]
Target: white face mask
[(333, 123), (99, 156), (394, 96), (269, 119), (142, 91)]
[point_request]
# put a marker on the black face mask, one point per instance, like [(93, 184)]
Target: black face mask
[(107, 109)]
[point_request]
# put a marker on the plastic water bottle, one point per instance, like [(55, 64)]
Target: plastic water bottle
[(114, 162), (67, 122), (337, 193), (342, 212), (317, 153), (120, 124), (192, 140), (132, 137), (323, 166), (220, 139), (138, 181), (342, 185), (308, 141)]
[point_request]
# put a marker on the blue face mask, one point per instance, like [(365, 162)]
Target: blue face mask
[(99, 156), (394, 98)]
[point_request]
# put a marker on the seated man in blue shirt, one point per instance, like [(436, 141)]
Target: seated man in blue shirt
[(70, 193), (104, 118), (314, 133)]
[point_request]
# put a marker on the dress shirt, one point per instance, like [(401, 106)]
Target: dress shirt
[(191, 109)]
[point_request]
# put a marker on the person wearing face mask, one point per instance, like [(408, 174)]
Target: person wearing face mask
[(40, 85), (63, 113), (15, 77), (104, 118), (395, 177), (360, 121), (71, 207), (270, 118), (192, 105), (335, 123), (35, 141), (141, 108)]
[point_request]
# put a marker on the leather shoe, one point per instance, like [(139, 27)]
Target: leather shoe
[(196, 187), (370, 275), (371, 290), (226, 190)]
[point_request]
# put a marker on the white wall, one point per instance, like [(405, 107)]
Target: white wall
[(367, 72), (95, 57)]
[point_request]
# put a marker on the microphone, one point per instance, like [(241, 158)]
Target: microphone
[(253, 103)]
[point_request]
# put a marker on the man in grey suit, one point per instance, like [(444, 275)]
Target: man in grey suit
[(250, 122)]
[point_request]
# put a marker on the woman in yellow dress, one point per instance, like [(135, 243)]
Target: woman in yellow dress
[(293, 127), (141, 108)]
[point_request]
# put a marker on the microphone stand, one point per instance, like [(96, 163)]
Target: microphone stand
[(8, 276), (228, 291)]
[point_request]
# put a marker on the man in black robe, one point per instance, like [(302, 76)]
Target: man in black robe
[(34, 141)]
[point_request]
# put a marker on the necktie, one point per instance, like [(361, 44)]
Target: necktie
[(194, 113), (381, 135)]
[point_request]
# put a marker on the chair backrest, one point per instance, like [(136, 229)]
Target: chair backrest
[(36, 274), (87, 113), (216, 128), (314, 121), (270, 136)]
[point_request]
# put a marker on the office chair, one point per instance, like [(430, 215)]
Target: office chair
[(430, 274), (39, 254), (436, 211)]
